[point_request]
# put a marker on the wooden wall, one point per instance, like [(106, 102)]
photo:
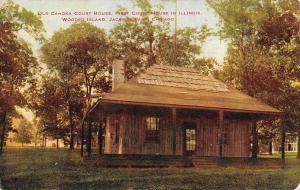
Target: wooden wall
[(239, 138), (132, 136), (207, 137), (237, 143)]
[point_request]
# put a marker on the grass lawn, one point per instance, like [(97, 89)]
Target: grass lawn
[(29, 168)]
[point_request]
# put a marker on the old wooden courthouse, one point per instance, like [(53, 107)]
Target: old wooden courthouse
[(175, 116)]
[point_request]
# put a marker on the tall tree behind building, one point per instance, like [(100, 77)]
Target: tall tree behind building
[(150, 40), (262, 54)]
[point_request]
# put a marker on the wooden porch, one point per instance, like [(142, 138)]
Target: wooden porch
[(167, 161)]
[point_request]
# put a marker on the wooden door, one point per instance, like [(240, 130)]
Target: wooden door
[(189, 138)]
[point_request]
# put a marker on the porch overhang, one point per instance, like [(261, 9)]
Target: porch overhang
[(163, 96), (109, 101)]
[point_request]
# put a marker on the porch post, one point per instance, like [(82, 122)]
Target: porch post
[(254, 140), (100, 139), (89, 147), (174, 129), (100, 132), (283, 137), (298, 145), (82, 139), (221, 123)]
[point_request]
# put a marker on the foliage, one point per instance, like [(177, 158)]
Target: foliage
[(151, 40), (24, 132), (17, 63), (50, 106), (80, 56), (14, 18), (262, 58)]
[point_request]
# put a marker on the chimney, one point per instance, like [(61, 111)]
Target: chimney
[(118, 74)]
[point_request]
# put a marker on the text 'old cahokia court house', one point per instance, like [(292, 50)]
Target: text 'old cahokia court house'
[(174, 116)]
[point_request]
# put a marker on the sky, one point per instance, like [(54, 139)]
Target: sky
[(50, 12)]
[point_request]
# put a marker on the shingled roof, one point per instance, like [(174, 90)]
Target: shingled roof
[(180, 77), (162, 85)]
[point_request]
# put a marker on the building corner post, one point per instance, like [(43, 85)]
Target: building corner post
[(100, 130), (254, 139), (174, 121), (89, 144), (82, 139), (221, 135)]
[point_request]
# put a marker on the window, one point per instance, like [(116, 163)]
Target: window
[(291, 147), (152, 130), (190, 139)]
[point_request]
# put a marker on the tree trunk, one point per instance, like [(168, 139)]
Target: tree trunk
[(83, 121), (57, 130), (35, 139), (43, 141), (3, 132), (77, 141), (298, 148), (152, 59), (71, 127), (57, 143), (270, 147)]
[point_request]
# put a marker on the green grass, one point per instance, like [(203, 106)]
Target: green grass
[(29, 168), (288, 155)]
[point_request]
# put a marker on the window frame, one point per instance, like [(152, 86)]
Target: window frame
[(152, 129)]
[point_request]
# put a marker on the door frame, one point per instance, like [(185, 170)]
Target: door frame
[(188, 125)]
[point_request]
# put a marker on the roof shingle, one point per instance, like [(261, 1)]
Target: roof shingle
[(180, 77), (184, 87)]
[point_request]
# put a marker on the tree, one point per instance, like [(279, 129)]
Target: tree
[(261, 58), (81, 54), (50, 107), (17, 63), (24, 132), (152, 41), (37, 131), (68, 95)]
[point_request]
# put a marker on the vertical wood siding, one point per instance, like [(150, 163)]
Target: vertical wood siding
[(133, 130), (132, 136), (238, 141), (207, 137)]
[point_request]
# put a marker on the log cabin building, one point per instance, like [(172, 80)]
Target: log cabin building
[(174, 116)]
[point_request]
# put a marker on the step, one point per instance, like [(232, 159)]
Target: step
[(205, 162)]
